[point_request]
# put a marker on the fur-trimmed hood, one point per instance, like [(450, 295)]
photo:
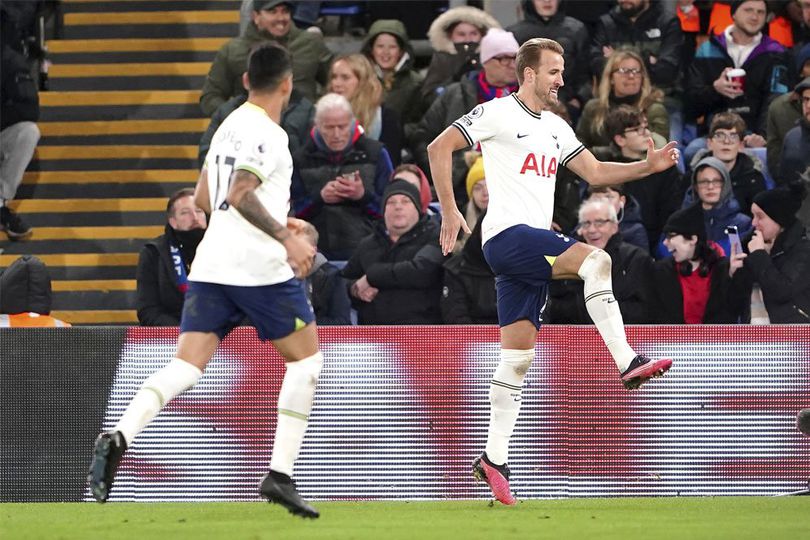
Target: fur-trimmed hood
[(437, 34)]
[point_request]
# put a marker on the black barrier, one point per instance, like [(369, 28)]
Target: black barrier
[(54, 385)]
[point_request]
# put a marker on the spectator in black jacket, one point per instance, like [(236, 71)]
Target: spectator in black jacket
[(599, 227), (339, 179), (659, 194), (469, 295), (396, 272), (656, 35), (771, 279), (796, 148), (164, 263), (326, 288), (547, 19), (693, 286)]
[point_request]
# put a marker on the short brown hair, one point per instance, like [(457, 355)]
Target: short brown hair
[(621, 118), (177, 195), (529, 54), (727, 120)]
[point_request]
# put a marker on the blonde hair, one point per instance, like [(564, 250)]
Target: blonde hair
[(649, 94), (369, 89)]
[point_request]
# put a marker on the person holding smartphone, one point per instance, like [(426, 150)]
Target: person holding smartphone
[(771, 275)]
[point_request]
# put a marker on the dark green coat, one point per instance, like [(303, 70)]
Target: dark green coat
[(310, 58)]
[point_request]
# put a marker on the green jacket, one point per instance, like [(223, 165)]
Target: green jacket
[(310, 58), (783, 114), (403, 96)]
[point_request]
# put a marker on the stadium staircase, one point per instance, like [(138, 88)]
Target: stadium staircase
[(120, 127)]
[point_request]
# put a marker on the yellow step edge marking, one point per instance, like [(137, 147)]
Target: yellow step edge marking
[(93, 285), (80, 259), (153, 17), (97, 316), (57, 46), (116, 152), (144, 232), (118, 97), (129, 70), (38, 206), (145, 176), (123, 127)]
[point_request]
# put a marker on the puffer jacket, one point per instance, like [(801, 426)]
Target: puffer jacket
[(449, 61)]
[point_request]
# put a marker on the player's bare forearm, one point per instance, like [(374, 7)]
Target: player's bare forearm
[(201, 198), (440, 155), (242, 196), (606, 173)]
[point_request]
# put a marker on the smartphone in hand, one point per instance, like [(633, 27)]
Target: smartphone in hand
[(734, 239)]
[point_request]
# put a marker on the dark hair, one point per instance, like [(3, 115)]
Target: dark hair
[(268, 65), (529, 54), (179, 194), (727, 120), (704, 253), (621, 118)]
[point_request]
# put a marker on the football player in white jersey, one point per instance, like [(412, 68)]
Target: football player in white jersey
[(523, 145), (247, 265)]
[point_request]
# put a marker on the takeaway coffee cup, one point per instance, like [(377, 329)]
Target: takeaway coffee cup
[(737, 75)]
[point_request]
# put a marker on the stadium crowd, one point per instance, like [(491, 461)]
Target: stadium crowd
[(728, 80)]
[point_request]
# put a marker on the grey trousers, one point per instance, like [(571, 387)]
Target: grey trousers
[(17, 144)]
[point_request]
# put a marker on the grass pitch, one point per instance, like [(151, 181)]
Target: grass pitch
[(623, 519)]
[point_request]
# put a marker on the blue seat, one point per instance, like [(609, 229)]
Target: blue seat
[(341, 10)]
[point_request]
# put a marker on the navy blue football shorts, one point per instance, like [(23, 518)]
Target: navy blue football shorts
[(275, 310), (521, 258)]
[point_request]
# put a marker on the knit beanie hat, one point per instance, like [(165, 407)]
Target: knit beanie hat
[(803, 85), (687, 222), (403, 187), (475, 175), (782, 203), (735, 4), (496, 43)]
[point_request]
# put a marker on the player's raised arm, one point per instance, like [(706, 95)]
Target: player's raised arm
[(242, 196), (440, 154), (607, 173)]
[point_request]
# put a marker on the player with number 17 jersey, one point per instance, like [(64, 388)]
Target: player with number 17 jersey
[(233, 251), (522, 152)]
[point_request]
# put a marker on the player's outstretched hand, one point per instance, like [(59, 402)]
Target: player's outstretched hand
[(300, 254), (663, 159), (452, 221)]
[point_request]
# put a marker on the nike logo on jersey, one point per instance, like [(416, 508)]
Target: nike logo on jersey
[(521, 136)]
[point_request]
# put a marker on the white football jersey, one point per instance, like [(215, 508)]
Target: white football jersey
[(233, 251), (522, 151)]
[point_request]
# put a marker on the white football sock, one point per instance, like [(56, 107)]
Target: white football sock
[(505, 394), (294, 406), (603, 308), (161, 387)]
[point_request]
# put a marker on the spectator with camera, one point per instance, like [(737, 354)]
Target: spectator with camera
[(693, 285), (339, 178), (770, 276)]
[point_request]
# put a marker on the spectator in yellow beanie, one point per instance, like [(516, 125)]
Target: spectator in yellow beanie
[(477, 195)]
